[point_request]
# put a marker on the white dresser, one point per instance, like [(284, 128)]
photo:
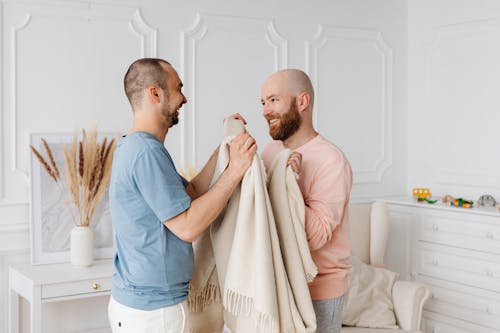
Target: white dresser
[(456, 252)]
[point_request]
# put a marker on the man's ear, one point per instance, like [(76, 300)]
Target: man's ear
[(153, 94), (303, 101)]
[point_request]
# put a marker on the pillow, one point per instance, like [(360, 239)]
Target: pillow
[(368, 302)]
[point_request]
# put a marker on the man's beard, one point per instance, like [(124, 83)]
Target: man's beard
[(289, 124), (174, 120)]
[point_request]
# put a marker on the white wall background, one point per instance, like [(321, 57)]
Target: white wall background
[(63, 64), (454, 96)]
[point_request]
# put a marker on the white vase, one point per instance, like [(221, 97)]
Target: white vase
[(82, 246)]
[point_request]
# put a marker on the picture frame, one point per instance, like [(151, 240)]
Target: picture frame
[(51, 211)]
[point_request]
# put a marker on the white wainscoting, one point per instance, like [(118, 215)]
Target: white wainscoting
[(63, 63), (342, 60), (454, 75)]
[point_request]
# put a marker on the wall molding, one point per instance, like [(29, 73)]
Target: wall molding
[(14, 35), (441, 35), (375, 173), (280, 45), (146, 34), (479, 181), (189, 40), (14, 228)]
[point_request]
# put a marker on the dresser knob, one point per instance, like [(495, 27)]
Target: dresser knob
[(435, 227), (489, 235), (96, 286), (489, 273), (434, 261)]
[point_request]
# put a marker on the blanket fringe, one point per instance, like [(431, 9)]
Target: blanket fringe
[(311, 273), (238, 304), (197, 301)]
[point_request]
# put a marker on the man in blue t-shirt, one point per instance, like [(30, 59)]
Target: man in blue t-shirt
[(156, 213)]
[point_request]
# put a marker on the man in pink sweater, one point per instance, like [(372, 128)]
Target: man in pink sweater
[(325, 180)]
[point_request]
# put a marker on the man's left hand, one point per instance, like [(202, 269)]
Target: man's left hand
[(295, 162)]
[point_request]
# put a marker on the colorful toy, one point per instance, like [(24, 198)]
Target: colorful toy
[(462, 203), (423, 194)]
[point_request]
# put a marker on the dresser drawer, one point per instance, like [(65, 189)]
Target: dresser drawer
[(473, 232), (467, 303), (472, 268), (69, 289)]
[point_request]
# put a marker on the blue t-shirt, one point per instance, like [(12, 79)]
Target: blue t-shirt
[(153, 267)]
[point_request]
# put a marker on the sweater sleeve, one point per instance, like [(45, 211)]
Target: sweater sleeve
[(325, 202)]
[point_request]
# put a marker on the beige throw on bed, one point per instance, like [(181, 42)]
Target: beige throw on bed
[(263, 287)]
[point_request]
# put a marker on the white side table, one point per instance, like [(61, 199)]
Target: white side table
[(53, 283)]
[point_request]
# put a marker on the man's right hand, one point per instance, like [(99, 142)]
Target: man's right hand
[(242, 148)]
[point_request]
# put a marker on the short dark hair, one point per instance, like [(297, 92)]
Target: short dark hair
[(142, 74)]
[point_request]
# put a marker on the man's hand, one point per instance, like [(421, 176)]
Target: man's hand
[(237, 116), (295, 161), (242, 148)]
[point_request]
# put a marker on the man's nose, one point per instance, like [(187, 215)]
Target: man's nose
[(266, 111)]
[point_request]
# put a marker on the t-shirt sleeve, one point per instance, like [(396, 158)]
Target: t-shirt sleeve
[(184, 182), (160, 185)]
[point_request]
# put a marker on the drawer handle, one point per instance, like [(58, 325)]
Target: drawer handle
[(435, 227), (489, 273), (489, 235), (96, 286), (434, 262)]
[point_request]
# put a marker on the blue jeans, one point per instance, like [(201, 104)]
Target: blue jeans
[(329, 314)]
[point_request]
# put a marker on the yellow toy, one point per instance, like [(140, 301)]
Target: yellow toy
[(423, 194)]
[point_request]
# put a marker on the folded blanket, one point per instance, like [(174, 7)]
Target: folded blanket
[(289, 214), (258, 293)]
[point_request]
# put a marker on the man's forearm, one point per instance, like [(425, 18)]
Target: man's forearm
[(205, 209), (199, 185)]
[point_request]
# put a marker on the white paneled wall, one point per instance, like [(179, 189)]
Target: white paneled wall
[(62, 64), (454, 96)]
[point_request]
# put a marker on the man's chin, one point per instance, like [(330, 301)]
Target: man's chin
[(274, 136), (174, 121)]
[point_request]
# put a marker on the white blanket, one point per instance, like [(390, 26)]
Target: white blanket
[(258, 294)]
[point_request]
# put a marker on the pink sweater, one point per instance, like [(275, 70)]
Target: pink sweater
[(325, 181)]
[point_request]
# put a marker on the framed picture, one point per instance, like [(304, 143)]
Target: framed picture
[(52, 213)]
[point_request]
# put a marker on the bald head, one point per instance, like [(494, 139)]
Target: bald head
[(294, 82), (142, 74)]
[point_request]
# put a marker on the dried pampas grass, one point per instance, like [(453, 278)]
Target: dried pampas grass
[(88, 171)]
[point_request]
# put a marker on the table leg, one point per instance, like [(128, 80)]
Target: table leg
[(36, 311), (13, 311)]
